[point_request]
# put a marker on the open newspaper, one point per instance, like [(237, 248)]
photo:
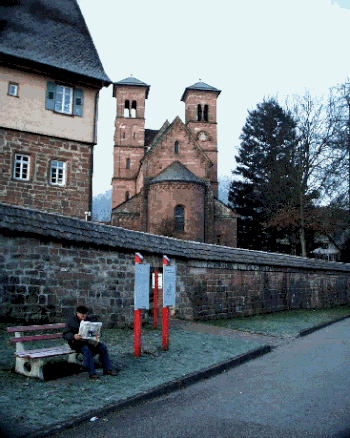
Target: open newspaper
[(90, 331)]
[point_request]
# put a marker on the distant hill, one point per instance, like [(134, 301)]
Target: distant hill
[(101, 207), (101, 204)]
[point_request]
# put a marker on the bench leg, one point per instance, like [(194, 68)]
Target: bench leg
[(30, 367), (73, 358)]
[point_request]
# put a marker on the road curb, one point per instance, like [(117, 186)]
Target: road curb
[(166, 388), (320, 326)]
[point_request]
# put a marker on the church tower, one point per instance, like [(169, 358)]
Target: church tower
[(200, 117), (129, 137)]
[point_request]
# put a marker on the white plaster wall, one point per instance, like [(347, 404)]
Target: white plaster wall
[(27, 111)]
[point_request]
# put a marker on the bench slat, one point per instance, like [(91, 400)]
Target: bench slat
[(45, 352), (36, 338), (32, 328)]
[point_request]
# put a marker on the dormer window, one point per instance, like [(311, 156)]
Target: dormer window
[(176, 147), (133, 109), (199, 112)]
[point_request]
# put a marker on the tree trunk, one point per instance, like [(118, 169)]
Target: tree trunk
[(302, 227)]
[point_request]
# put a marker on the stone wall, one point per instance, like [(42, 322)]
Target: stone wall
[(72, 199), (49, 264)]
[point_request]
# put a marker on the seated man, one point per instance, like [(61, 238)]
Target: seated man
[(85, 347)]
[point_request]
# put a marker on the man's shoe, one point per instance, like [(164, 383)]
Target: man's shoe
[(93, 376), (109, 373)]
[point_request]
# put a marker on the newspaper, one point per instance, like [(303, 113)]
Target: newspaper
[(90, 331)]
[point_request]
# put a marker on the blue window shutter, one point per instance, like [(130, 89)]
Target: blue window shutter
[(50, 95), (78, 102)]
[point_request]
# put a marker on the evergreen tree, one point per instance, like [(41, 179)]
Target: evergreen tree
[(265, 167)]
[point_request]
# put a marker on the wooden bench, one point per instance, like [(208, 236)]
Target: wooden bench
[(30, 362)]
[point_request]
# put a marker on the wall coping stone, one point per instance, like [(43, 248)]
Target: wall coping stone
[(23, 220)]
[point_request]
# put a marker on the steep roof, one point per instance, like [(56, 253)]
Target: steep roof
[(177, 172), (132, 82), (166, 129), (200, 86), (150, 135), (46, 34)]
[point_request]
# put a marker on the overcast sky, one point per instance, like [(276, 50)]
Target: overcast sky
[(249, 49)]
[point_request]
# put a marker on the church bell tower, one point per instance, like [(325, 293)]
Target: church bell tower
[(200, 117), (129, 137)]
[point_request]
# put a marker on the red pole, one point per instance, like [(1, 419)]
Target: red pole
[(165, 343), (137, 332), (137, 319), (155, 299), (165, 313)]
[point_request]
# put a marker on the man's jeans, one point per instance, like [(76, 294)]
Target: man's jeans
[(89, 351)]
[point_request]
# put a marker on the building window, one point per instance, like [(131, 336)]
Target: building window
[(21, 167), (128, 163), (218, 239), (206, 113), (12, 89), (64, 100), (199, 112), (127, 109), (57, 173), (133, 109), (127, 196), (179, 218), (176, 147)]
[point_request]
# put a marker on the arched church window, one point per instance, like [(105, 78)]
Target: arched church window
[(199, 112), (127, 196), (122, 131), (133, 109), (176, 147), (179, 218), (128, 163), (206, 113), (127, 109)]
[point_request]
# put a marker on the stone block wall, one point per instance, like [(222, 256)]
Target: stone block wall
[(73, 199), (50, 264), (45, 281)]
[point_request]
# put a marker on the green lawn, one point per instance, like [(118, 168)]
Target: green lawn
[(287, 323)]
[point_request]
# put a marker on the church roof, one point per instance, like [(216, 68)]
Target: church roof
[(150, 135), (200, 86), (51, 33), (177, 172), (131, 81)]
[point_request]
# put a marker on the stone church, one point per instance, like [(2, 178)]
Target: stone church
[(165, 181)]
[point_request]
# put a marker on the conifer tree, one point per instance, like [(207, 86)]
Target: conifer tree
[(264, 169)]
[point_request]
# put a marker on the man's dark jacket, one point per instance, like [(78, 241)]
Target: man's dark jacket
[(72, 328)]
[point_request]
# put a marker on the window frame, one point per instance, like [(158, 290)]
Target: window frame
[(179, 224), (61, 109), (15, 161), (57, 183), (76, 99), (13, 84)]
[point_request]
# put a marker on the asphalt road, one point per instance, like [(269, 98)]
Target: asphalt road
[(299, 390)]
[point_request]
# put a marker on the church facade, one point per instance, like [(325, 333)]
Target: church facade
[(165, 181)]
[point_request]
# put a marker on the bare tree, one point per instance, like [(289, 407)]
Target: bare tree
[(312, 160), (340, 101)]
